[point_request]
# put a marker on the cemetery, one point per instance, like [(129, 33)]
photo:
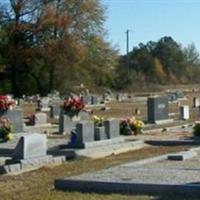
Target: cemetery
[(98, 100), (149, 143)]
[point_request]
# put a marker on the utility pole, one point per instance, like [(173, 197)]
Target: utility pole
[(127, 49)]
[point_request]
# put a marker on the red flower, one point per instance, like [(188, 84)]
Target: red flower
[(5, 102), (73, 105)]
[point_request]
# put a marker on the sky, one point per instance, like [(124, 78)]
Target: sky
[(152, 19)]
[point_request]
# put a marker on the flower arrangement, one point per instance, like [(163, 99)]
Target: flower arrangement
[(5, 130), (136, 125), (125, 128), (131, 126), (98, 121), (73, 105), (6, 102)]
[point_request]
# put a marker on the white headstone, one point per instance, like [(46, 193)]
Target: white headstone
[(196, 102), (40, 118), (30, 146), (185, 114)]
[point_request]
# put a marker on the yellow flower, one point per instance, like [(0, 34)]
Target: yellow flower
[(9, 136)]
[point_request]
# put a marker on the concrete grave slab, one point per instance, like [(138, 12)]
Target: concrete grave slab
[(149, 176)]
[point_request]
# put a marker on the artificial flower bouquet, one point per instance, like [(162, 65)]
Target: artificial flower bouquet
[(98, 121), (6, 102), (131, 126), (5, 130), (73, 105), (125, 128), (136, 125)]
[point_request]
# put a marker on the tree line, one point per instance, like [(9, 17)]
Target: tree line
[(59, 44), (53, 44), (162, 62)]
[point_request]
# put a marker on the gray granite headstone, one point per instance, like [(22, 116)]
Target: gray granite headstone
[(66, 122), (40, 118), (184, 112), (16, 118), (172, 97), (85, 132), (112, 128), (30, 146), (54, 111), (196, 102), (45, 103), (179, 94), (84, 116), (99, 133), (20, 102), (118, 97), (86, 99), (94, 100), (157, 109)]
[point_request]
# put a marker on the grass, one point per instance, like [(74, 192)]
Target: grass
[(39, 184)]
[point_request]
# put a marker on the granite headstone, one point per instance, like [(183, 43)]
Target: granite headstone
[(112, 129), (16, 118), (30, 146), (157, 109)]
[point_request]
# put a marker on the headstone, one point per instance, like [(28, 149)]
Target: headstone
[(67, 122), (118, 97), (112, 129), (196, 102), (85, 132), (99, 133), (45, 104), (157, 109), (94, 100), (30, 146), (55, 111), (172, 97), (137, 111), (179, 94), (184, 111), (84, 116), (86, 99), (16, 118), (19, 102), (40, 118)]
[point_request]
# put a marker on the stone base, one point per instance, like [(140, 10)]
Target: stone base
[(45, 109), (127, 187), (72, 146), (183, 156), (18, 166), (164, 121)]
